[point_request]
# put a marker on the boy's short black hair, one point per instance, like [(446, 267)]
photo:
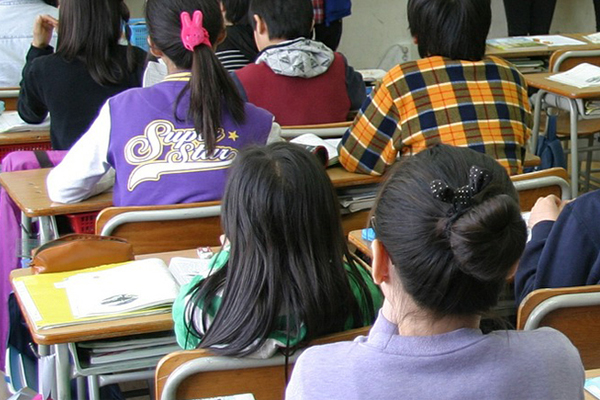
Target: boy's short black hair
[(236, 11), (285, 19), (456, 29)]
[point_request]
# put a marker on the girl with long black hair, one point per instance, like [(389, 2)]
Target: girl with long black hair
[(285, 275), (88, 67)]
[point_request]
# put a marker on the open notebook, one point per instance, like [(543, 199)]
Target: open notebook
[(11, 122), (106, 292)]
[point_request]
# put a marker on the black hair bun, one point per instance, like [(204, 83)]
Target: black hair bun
[(488, 239)]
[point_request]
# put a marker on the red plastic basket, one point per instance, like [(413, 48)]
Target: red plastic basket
[(4, 150), (83, 222)]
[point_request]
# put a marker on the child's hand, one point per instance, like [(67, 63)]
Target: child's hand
[(43, 27), (546, 209)]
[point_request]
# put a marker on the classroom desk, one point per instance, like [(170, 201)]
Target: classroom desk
[(571, 94), (355, 238), (17, 141), (9, 95), (59, 338), (591, 373), (28, 190), (542, 51)]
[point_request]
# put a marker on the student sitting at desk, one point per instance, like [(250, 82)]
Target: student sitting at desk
[(16, 19), (564, 249), (449, 232), (172, 142), (238, 49), (454, 95), (88, 67), (285, 275), (299, 80)]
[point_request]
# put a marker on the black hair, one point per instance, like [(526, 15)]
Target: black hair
[(281, 216), (53, 3), (90, 31), (285, 19), (449, 263), (210, 85), (455, 29), (236, 11)]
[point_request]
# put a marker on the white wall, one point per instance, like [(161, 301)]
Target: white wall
[(375, 25)]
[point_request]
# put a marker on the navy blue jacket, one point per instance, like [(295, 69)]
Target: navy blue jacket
[(563, 253)]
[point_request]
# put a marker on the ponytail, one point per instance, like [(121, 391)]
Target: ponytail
[(209, 87)]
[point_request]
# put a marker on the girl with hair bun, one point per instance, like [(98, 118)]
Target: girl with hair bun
[(449, 232), (172, 142)]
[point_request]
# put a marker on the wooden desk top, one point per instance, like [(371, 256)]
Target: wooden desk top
[(28, 190), (540, 81), (355, 238), (342, 178), (24, 137), (106, 329), (542, 51)]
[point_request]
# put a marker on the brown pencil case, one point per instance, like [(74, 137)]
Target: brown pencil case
[(78, 251)]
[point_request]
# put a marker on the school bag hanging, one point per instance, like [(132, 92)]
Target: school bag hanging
[(549, 148)]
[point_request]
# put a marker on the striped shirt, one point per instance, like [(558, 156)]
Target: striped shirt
[(232, 59), (482, 105)]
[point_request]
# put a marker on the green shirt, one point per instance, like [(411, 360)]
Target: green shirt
[(276, 338)]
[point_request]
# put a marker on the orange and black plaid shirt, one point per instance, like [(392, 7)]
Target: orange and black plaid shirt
[(482, 105)]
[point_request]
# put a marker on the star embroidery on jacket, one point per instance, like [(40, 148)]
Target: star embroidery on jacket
[(233, 135)]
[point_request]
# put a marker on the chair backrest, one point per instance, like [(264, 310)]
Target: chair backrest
[(196, 374), (534, 185), (563, 60), (575, 311), (332, 130), (154, 229)]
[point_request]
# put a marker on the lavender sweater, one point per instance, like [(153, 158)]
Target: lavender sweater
[(463, 364)]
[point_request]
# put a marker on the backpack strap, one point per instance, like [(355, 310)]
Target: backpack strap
[(43, 159)]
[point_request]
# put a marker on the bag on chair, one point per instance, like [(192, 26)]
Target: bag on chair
[(549, 148)]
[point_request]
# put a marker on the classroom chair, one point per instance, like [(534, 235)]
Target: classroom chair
[(331, 130), (196, 374), (534, 185), (587, 126), (575, 311), (155, 229)]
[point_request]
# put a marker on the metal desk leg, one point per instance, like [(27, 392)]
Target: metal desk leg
[(45, 351), (63, 372), (537, 113), (47, 229), (25, 232), (93, 387), (574, 114)]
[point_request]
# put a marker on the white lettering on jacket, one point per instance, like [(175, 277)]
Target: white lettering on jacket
[(185, 153)]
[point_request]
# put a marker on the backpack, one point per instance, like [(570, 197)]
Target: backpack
[(549, 148)]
